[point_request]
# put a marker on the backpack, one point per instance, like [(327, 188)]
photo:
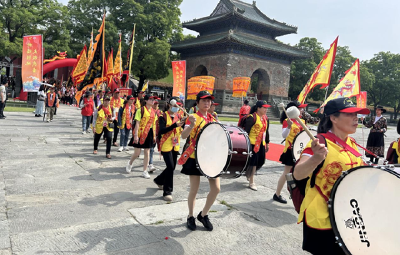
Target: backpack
[(242, 123), (297, 188)]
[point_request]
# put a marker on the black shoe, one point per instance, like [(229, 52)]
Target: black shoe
[(40, 115), (2, 117), (36, 115), (206, 222), (280, 199), (191, 223)]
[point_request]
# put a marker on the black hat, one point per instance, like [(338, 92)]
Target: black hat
[(204, 94), (147, 97), (297, 104), (106, 98), (343, 104), (381, 108), (116, 90), (130, 97), (177, 99), (262, 103)]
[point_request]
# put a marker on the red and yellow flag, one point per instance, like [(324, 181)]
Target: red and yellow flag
[(349, 86), (32, 63), (179, 75), (240, 86), (322, 74), (362, 99), (110, 66), (118, 61), (79, 71)]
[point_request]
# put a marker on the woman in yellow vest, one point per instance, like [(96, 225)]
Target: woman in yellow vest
[(192, 128), (340, 154), (104, 122), (212, 110), (169, 132), (393, 153), (259, 139), (144, 134), (128, 110), (290, 128)]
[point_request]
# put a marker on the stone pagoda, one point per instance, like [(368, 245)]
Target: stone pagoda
[(238, 40)]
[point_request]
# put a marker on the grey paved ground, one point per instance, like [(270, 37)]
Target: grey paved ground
[(56, 197)]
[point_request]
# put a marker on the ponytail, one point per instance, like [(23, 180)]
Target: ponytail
[(325, 124), (253, 109)]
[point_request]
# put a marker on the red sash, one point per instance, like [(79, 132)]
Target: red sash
[(50, 101), (148, 125), (128, 118), (332, 137), (186, 155), (166, 136), (113, 102), (261, 134)]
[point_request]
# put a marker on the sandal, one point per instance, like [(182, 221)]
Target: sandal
[(108, 156), (95, 152)]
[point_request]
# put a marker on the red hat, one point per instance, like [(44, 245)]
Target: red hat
[(215, 104), (302, 106), (116, 90), (204, 94), (141, 92), (262, 103), (343, 104)]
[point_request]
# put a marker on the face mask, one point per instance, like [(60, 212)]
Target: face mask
[(174, 109)]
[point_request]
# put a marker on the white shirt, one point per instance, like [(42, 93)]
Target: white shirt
[(377, 118), (3, 93)]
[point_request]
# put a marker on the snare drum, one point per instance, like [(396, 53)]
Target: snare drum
[(300, 142), (222, 151), (364, 208)]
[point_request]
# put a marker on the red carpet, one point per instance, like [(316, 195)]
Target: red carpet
[(274, 152)]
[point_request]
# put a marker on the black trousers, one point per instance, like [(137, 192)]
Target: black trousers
[(97, 137), (320, 242), (116, 131), (2, 106), (166, 178)]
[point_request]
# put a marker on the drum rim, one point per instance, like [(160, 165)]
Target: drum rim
[(332, 199), (229, 145), (248, 151), (294, 140)]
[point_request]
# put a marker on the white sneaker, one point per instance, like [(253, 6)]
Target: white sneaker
[(120, 149), (84, 132), (126, 149), (47, 120), (152, 168), (146, 175), (88, 131), (128, 168)]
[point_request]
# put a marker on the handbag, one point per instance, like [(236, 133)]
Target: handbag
[(111, 125), (41, 98)]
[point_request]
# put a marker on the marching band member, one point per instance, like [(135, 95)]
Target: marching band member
[(245, 110), (192, 129), (169, 132), (393, 154), (104, 119), (340, 154), (259, 139), (126, 120), (144, 134), (212, 110), (290, 128), (159, 113), (138, 102), (376, 141), (116, 103)]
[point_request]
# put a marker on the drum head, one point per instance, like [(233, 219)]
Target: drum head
[(364, 211), (212, 150), (300, 142)]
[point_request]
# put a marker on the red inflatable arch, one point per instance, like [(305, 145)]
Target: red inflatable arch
[(58, 64)]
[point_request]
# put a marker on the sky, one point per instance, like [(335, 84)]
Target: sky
[(366, 26)]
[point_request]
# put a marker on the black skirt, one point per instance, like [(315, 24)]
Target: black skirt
[(376, 144), (257, 159), (189, 168), (148, 143), (287, 158), (320, 242)]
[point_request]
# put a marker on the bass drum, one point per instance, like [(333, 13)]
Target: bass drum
[(364, 208), (222, 151), (300, 142)]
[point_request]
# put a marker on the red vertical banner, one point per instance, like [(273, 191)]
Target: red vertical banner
[(362, 99), (179, 75), (32, 63)]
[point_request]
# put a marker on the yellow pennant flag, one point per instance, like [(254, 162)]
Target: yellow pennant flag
[(132, 45), (349, 86), (110, 66), (79, 71), (118, 61), (145, 86), (322, 74)]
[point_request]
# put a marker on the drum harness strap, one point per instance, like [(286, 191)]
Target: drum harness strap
[(186, 154)]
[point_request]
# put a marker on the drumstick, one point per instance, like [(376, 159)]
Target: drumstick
[(173, 103), (294, 113), (282, 105)]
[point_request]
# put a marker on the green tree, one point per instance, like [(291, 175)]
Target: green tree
[(22, 17), (302, 70)]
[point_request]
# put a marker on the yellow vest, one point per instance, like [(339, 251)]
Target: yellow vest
[(314, 207), (115, 103), (145, 118), (167, 145), (100, 120), (137, 103), (255, 130), (294, 130), (200, 123), (123, 117)]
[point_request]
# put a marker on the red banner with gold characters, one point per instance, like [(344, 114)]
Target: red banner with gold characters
[(362, 99), (125, 92), (179, 74), (240, 86), (32, 63)]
